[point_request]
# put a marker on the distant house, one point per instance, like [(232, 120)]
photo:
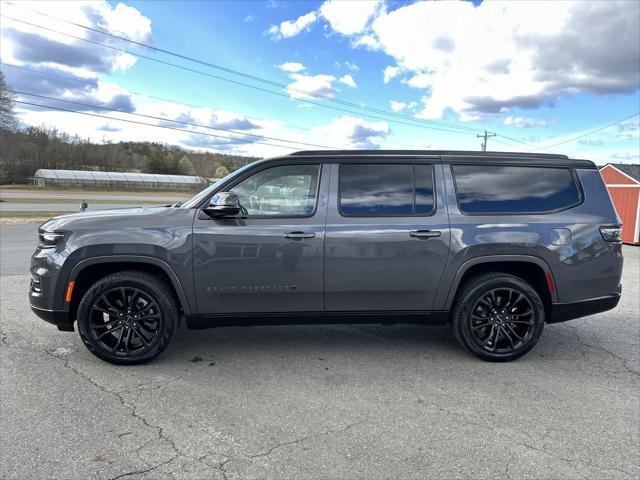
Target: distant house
[(623, 183)]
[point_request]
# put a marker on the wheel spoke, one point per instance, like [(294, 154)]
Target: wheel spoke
[(478, 327), (127, 341), (523, 314), (100, 309), (515, 334), (504, 331), (103, 325), (109, 305), (111, 330), (141, 337), (115, 348), (125, 303), (523, 322)]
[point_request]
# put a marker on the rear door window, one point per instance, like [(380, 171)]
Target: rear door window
[(386, 189), (485, 189)]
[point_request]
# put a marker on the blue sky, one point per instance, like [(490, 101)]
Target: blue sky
[(525, 71)]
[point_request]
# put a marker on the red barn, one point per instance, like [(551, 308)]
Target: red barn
[(623, 183)]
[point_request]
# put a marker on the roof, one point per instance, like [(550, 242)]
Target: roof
[(95, 176), (629, 169), (450, 156)]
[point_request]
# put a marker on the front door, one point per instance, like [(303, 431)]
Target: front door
[(269, 259), (387, 237)]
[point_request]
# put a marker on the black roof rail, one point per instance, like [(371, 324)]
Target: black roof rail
[(308, 153)]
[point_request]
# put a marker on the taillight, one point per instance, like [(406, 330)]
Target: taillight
[(611, 233)]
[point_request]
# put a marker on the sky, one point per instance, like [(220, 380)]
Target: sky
[(268, 78)]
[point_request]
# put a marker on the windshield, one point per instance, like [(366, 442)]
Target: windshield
[(195, 200)]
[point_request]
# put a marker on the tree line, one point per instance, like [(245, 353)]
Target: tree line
[(25, 149)]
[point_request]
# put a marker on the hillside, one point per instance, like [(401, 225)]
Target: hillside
[(24, 151)]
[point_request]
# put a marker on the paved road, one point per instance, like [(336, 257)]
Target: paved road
[(16, 246), (322, 402), (77, 197)]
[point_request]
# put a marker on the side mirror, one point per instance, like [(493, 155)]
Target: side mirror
[(223, 204)]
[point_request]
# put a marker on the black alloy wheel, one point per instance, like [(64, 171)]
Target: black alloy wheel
[(125, 321), (502, 320), (128, 317), (498, 317)]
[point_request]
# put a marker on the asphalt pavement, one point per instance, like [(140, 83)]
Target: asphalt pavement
[(330, 402)]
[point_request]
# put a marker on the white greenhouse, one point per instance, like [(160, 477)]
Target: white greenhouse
[(85, 178)]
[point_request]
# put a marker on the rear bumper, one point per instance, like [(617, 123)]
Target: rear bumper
[(561, 312), (58, 318)]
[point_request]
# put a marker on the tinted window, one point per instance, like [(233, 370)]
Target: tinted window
[(383, 189), (514, 189), (289, 190)]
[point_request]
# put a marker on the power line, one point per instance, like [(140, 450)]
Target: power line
[(243, 74), (150, 124), (604, 127), (164, 119), (445, 127), (81, 81)]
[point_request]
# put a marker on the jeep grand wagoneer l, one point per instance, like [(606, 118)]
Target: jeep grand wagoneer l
[(497, 244)]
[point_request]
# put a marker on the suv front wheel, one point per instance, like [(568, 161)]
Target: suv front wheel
[(498, 317), (128, 317)]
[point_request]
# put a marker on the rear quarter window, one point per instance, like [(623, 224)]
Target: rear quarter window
[(486, 189)]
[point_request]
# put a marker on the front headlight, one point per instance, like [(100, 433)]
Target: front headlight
[(50, 239)]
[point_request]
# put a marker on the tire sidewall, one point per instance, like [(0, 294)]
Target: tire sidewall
[(463, 316), (150, 287)]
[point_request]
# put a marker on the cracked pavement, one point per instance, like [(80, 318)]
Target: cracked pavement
[(322, 402)]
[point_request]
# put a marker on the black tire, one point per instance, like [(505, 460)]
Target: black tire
[(490, 317), (135, 312)]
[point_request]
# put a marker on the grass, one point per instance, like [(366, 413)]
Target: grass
[(89, 200), (31, 214), (34, 189)]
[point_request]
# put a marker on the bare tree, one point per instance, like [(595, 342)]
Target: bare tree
[(8, 119)]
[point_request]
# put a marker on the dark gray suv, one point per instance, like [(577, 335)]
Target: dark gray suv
[(496, 244)]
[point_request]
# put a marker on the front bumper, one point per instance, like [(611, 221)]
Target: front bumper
[(59, 318), (561, 312)]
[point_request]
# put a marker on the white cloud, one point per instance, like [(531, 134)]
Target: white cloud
[(352, 66), (499, 55), (397, 106), (349, 16), (291, 67), (523, 122), (291, 28), (248, 19), (389, 73), (315, 84), (353, 132), (420, 80), (348, 80)]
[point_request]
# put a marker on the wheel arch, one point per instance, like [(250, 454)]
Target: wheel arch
[(532, 269), (86, 272)]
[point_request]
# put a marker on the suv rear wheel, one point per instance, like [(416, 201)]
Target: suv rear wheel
[(498, 317), (128, 317)]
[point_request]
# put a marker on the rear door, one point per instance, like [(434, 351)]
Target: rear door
[(269, 259), (387, 235)]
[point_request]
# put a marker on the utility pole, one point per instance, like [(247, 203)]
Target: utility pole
[(485, 136)]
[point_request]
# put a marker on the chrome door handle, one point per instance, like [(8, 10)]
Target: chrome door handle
[(298, 235), (425, 233)]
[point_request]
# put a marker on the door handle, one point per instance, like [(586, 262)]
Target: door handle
[(298, 235), (424, 233)]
